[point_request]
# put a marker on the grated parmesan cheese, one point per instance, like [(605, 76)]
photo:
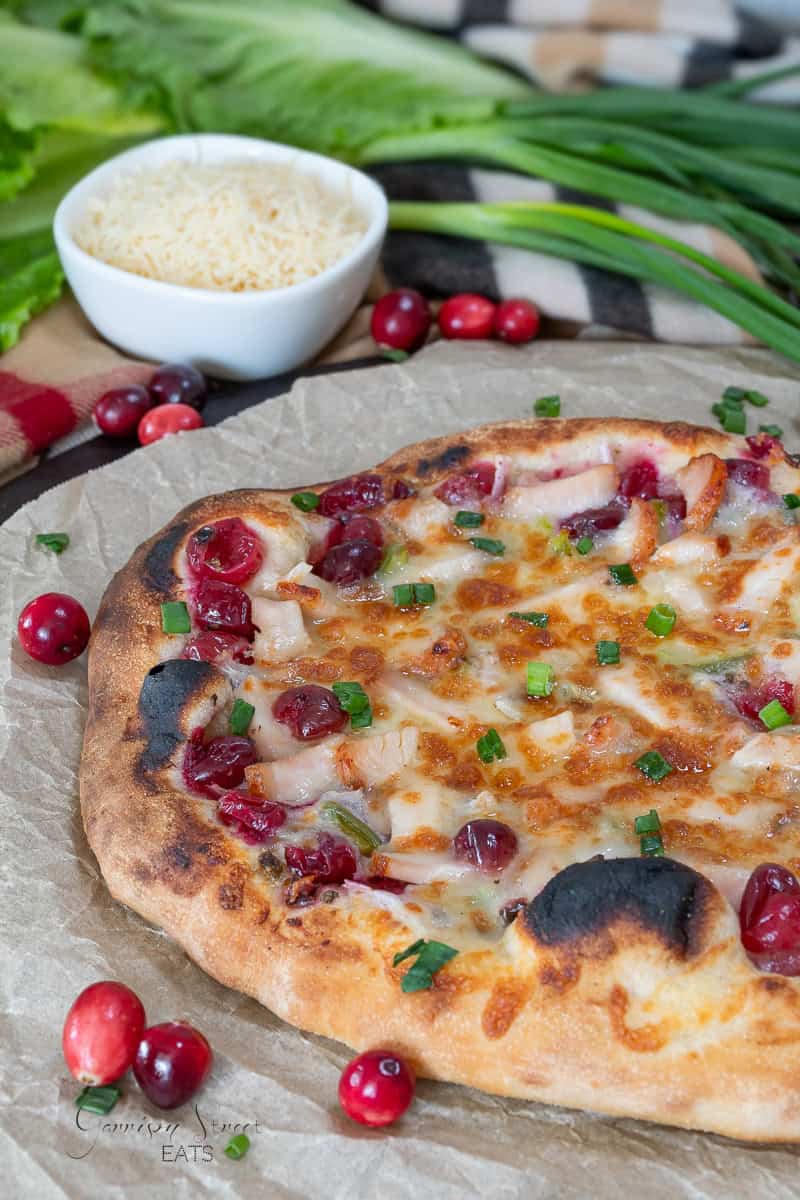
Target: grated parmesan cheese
[(238, 227)]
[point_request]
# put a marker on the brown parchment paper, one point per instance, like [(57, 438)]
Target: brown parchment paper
[(61, 931)]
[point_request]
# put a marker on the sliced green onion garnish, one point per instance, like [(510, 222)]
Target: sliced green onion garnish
[(734, 395), (539, 619), (430, 956), (648, 823), (733, 420), (405, 595), (352, 826), (607, 653), (584, 545), (56, 542), (661, 620), (175, 617), (654, 766), (539, 679), (791, 500), (305, 501), (238, 1146), (241, 716), (652, 846), (489, 545), (758, 399), (774, 715), (547, 406), (355, 702), (468, 520), (622, 574), (394, 556), (773, 430), (559, 543), (351, 696), (99, 1100), (490, 746)]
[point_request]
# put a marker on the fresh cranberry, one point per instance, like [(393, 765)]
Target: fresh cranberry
[(748, 473), (225, 606), (356, 528), (218, 763), (401, 490), (172, 1063), (769, 916), (467, 316), (750, 700), (596, 520), (332, 862), (102, 1032), (376, 1088), (53, 628), (310, 711), (485, 844), (356, 494), (639, 480), (385, 883), (255, 822), (349, 562), (401, 320), (178, 383), (468, 486), (117, 413), (226, 550), (516, 321), (167, 419), (761, 445), (215, 647)]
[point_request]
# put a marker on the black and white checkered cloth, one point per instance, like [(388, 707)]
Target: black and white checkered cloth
[(664, 43)]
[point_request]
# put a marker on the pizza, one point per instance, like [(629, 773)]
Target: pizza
[(487, 755)]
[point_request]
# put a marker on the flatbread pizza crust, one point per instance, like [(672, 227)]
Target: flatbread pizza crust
[(622, 987)]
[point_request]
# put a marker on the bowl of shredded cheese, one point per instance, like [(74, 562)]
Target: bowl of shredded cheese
[(241, 256)]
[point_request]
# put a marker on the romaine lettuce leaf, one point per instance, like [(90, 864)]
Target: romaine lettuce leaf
[(30, 279), (322, 74), (46, 81)]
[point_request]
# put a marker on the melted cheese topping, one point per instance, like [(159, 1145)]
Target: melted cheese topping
[(440, 675)]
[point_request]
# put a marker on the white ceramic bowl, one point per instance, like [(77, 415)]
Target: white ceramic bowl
[(238, 335)]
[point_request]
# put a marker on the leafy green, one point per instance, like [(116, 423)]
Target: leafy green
[(30, 279), (321, 74), (46, 81), (16, 152)]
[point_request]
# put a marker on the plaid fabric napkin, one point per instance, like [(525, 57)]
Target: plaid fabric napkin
[(51, 380), (563, 44)]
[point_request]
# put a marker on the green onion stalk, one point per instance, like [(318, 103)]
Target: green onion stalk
[(587, 235)]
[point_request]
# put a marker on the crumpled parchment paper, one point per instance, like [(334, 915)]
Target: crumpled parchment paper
[(60, 931)]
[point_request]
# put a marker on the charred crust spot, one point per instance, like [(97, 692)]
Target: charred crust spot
[(294, 921), (453, 456), (666, 898), (178, 857), (166, 691), (158, 574)]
